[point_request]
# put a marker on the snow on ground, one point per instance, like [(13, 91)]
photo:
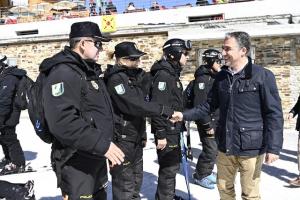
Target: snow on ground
[(273, 184)]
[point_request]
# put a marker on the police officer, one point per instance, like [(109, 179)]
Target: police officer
[(14, 160), (79, 114), (125, 85), (196, 93), (167, 89)]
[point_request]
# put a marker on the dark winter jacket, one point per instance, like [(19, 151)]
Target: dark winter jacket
[(128, 97), (9, 81), (77, 106), (166, 90), (196, 93), (296, 111), (251, 121)]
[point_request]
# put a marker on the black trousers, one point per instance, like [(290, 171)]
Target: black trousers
[(84, 178), (11, 146), (169, 166), (12, 191), (207, 157), (127, 178)]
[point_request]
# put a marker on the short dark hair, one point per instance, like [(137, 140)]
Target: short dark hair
[(242, 38), (74, 41)]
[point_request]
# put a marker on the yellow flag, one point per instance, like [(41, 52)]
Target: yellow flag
[(108, 24)]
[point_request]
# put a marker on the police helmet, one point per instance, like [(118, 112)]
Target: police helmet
[(174, 48), (210, 56)]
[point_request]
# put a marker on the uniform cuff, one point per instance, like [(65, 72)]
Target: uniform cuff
[(161, 134), (166, 112)]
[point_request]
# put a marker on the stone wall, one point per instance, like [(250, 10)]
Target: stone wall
[(279, 54), (30, 54)]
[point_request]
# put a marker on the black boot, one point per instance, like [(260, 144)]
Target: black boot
[(11, 168)]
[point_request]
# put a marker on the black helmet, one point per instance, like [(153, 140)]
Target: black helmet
[(175, 47), (210, 56)]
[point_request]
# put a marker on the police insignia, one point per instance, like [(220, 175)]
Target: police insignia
[(201, 86), (162, 86), (95, 85), (120, 89), (57, 89), (178, 84)]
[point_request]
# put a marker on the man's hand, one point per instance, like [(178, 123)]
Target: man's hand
[(271, 158), (290, 116), (210, 132), (176, 117), (114, 154), (144, 143), (161, 144)]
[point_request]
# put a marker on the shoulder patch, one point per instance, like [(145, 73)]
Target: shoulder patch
[(201, 86), (95, 85), (162, 86), (57, 89), (120, 89)]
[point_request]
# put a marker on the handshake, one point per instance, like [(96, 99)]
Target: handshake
[(176, 117)]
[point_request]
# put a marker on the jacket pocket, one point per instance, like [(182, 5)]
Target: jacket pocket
[(251, 138), (253, 87)]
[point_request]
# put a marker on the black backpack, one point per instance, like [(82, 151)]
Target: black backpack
[(36, 110), (21, 95), (188, 95), (147, 84)]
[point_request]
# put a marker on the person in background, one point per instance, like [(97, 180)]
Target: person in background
[(196, 93), (293, 113), (131, 6), (79, 115), (155, 6), (14, 159), (124, 81), (167, 90), (250, 127), (111, 8)]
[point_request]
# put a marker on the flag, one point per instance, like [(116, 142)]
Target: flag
[(108, 24)]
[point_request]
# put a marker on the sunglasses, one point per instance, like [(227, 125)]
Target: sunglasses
[(185, 53), (97, 44), (132, 58)]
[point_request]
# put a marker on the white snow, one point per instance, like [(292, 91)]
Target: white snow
[(273, 181)]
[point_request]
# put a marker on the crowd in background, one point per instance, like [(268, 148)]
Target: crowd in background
[(70, 9)]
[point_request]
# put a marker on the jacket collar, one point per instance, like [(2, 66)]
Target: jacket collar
[(246, 72)]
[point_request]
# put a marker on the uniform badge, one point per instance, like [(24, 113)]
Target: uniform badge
[(120, 89), (201, 86), (178, 84), (162, 86), (58, 89), (4, 87), (95, 85)]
